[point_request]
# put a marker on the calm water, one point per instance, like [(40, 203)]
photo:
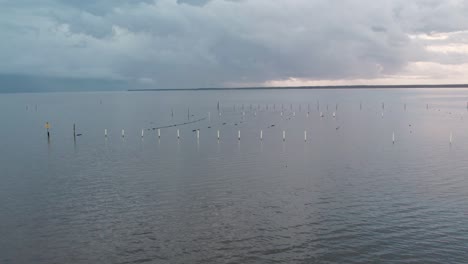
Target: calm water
[(347, 195)]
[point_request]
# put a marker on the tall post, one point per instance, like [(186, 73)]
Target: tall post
[(47, 126)]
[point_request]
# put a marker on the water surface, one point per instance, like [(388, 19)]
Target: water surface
[(346, 195)]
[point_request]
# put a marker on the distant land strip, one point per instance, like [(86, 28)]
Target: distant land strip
[(307, 87)]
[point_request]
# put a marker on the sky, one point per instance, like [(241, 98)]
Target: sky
[(124, 44)]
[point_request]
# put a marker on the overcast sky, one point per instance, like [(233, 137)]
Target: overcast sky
[(226, 43)]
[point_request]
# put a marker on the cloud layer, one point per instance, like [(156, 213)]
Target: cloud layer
[(218, 43)]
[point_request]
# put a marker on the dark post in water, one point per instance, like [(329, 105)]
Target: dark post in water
[(47, 126)]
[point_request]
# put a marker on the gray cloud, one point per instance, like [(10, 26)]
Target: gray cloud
[(199, 43)]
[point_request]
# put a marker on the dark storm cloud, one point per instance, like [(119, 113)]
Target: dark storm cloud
[(199, 43)]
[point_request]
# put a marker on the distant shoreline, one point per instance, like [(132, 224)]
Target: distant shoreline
[(306, 87)]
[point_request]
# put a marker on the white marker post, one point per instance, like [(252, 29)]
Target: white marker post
[(198, 134), (261, 134), (178, 134), (284, 135), (105, 132), (393, 137), (305, 135), (238, 134), (218, 134), (142, 133), (123, 133), (451, 137), (159, 133)]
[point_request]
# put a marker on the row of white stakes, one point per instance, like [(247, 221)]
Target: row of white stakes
[(282, 113), (239, 134)]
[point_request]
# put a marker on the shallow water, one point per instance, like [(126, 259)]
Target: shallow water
[(346, 195)]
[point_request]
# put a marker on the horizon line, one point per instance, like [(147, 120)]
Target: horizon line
[(306, 87)]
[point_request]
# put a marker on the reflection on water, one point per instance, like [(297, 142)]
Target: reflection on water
[(346, 195)]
